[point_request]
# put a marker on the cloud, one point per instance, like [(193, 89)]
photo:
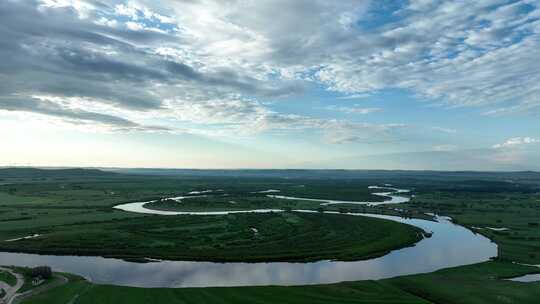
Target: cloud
[(445, 130), (64, 50), (248, 117), (451, 53), (215, 67), (344, 132), (446, 147), (455, 54), (353, 109), (452, 160), (355, 96), (516, 141), (77, 116)]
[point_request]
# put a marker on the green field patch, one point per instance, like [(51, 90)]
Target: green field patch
[(8, 278), (482, 283), (307, 237)]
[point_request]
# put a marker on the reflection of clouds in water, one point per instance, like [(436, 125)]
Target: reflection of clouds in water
[(139, 208), (450, 245)]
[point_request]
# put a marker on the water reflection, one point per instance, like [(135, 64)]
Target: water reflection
[(527, 278)]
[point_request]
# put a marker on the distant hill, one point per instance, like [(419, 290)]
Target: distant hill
[(374, 175), (338, 174), (18, 172)]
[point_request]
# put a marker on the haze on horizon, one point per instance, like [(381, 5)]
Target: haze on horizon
[(419, 84)]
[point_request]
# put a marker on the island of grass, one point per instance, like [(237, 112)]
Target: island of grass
[(283, 236), (240, 201)]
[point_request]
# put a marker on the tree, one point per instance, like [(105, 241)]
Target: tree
[(44, 272)]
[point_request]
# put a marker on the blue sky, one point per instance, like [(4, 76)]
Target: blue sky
[(419, 84)]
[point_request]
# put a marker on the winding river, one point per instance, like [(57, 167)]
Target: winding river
[(451, 245)]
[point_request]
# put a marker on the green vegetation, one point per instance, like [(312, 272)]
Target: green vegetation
[(476, 284), (8, 278), (28, 276), (251, 201), (223, 203), (82, 292), (241, 237), (72, 210), (518, 214)]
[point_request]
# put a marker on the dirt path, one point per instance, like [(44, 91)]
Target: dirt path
[(40, 289), (11, 291)]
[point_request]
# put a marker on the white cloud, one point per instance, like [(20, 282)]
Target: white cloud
[(445, 130), (134, 26), (456, 53), (469, 53), (343, 132), (516, 141), (130, 10), (355, 96), (208, 64), (353, 109), (82, 7), (447, 147)]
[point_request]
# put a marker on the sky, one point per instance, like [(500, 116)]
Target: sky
[(419, 84)]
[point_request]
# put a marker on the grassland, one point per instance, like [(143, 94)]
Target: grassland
[(480, 283), (8, 278), (66, 208), (73, 214), (245, 237), (354, 292), (220, 202)]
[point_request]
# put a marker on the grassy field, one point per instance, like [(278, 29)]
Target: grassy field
[(8, 278), (74, 213), (285, 236), (476, 284), (355, 292), (27, 276)]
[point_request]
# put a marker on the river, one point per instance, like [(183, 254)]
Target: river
[(450, 245)]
